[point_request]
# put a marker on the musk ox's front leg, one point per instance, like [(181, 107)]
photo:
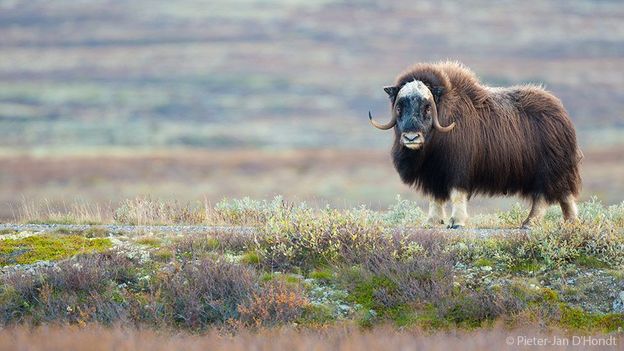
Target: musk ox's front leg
[(437, 214), (538, 209), (459, 214), (568, 207)]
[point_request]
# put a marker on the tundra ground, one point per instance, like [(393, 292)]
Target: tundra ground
[(245, 266)]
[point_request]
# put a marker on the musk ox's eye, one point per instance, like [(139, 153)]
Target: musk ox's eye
[(397, 109), (428, 110)]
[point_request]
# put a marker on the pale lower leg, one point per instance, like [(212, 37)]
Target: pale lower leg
[(459, 214), (538, 209), (569, 209), (436, 212)]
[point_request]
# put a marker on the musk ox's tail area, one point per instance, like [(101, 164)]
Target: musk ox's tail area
[(557, 150)]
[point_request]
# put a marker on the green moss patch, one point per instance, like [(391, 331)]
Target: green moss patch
[(251, 257), (149, 241), (484, 262), (7, 231), (48, 248), (577, 319), (163, 255), (212, 243), (590, 262), (322, 275), (364, 292), (527, 265), (316, 316)]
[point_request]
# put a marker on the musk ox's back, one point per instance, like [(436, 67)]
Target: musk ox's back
[(516, 140)]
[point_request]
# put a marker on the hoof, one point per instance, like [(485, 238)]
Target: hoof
[(453, 224), (433, 222)]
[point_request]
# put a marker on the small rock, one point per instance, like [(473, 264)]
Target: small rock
[(618, 303), (168, 269)]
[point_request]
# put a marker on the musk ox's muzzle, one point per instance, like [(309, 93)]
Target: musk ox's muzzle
[(412, 140)]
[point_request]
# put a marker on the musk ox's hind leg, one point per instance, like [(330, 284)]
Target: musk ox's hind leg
[(538, 209), (459, 214), (437, 214), (569, 209)]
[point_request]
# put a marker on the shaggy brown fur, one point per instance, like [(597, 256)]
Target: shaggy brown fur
[(515, 140)]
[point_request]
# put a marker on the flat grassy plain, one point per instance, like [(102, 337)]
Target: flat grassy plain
[(99, 181)]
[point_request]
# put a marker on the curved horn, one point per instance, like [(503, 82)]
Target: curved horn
[(382, 126), (436, 121)]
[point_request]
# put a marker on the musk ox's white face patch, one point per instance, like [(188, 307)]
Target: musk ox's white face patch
[(409, 108), (415, 88)]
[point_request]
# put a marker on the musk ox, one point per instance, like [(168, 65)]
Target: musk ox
[(455, 138)]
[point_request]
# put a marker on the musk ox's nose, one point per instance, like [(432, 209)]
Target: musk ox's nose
[(411, 137)]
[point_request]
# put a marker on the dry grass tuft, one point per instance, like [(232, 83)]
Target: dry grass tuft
[(146, 211), (76, 212)]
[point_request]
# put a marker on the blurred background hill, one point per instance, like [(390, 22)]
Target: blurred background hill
[(193, 100)]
